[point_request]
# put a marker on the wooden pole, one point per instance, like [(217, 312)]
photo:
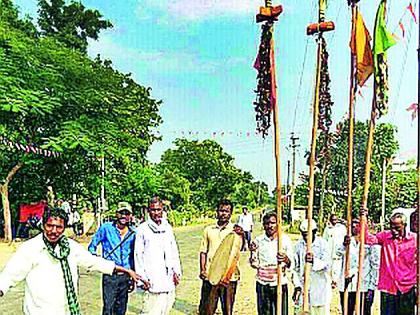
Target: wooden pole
[(418, 169), (353, 87), (268, 3), (384, 165), (309, 214), (368, 166), (279, 205)]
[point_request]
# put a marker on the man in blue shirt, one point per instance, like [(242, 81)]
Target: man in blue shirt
[(117, 239)]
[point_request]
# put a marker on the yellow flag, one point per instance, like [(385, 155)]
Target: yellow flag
[(360, 47)]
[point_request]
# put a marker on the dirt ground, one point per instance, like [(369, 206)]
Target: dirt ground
[(188, 292)]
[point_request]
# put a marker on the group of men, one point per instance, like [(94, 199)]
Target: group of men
[(147, 258), (390, 266)]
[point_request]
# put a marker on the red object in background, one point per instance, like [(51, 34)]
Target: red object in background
[(35, 209)]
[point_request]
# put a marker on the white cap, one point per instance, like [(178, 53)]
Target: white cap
[(304, 225)]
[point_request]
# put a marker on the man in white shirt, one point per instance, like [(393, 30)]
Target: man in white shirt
[(246, 222), (334, 234), (265, 259), (49, 265), (370, 271), (156, 260), (320, 282)]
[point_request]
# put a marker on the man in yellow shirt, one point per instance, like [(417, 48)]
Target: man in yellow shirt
[(212, 238)]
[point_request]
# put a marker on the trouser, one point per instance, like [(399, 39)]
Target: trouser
[(115, 293), (157, 303), (366, 300), (210, 295), (398, 304), (247, 240), (267, 299)]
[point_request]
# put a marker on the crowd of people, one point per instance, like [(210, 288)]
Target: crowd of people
[(146, 259)]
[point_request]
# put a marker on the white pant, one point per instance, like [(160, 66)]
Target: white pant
[(315, 310), (157, 303)]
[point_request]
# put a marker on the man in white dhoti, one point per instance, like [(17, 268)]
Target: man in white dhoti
[(320, 282), (156, 260)]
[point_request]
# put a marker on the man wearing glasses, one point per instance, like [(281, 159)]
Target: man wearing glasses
[(117, 239)]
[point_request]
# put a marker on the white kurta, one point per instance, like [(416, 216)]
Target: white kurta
[(45, 291), (156, 256), (370, 266), (266, 255), (320, 282), (334, 235)]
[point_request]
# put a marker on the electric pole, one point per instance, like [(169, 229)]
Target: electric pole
[(294, 145)]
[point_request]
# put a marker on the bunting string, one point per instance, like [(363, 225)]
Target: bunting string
[(28, 148)]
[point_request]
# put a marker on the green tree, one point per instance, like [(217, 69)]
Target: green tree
[(57, 98), (70, 24)]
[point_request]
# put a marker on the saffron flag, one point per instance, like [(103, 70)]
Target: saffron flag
[(360, 47), (383, 40)]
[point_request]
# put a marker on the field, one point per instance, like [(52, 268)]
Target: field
[(188, 292)]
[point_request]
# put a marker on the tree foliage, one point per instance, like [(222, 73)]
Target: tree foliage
[(70, 24), (385, 148)]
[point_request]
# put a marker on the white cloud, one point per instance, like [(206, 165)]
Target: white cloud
[(153, 61), (197, 9)]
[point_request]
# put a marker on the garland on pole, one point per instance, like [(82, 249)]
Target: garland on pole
[(265, 85)]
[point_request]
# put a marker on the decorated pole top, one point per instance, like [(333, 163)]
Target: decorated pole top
[(322, 25), (269, 13)]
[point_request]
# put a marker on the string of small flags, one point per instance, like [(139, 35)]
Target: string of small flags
[(28, 148), (401, 22), (213, 134)]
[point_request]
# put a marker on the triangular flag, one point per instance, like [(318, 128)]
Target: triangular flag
[(402, 28), (413, 14), (414, 109)]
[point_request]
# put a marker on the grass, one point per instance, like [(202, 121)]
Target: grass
[(188, 292)]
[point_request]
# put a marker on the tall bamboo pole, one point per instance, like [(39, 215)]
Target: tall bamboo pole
[(418, 168), (353, 87), (309, 214), (368, 166), (268, 3)]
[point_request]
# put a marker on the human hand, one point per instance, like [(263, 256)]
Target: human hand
[(1, 293), (146, 285), (131, 285), (346, 241), (203, 275), (176, 279), (296, 294), (134, 275), (364, 211), (347, 281), (253, 246), (369, 295), (333, 284), (283, 258), (309, 258), (238, 230)]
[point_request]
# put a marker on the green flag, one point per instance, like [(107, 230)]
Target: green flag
[(383, 40)]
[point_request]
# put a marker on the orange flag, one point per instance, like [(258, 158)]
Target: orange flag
[(360, 47)]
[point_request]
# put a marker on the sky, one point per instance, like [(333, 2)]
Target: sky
[(197, 57)]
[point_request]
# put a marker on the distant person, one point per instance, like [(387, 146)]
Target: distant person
[(117, 240), (264, 258), (370, 271), (157, 262), (334, 234), (320, 281), (213, 237), (49, 265), (398, 266), (246, 222), (414, 221)]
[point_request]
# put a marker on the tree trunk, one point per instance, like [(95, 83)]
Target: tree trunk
[(4, 190)]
